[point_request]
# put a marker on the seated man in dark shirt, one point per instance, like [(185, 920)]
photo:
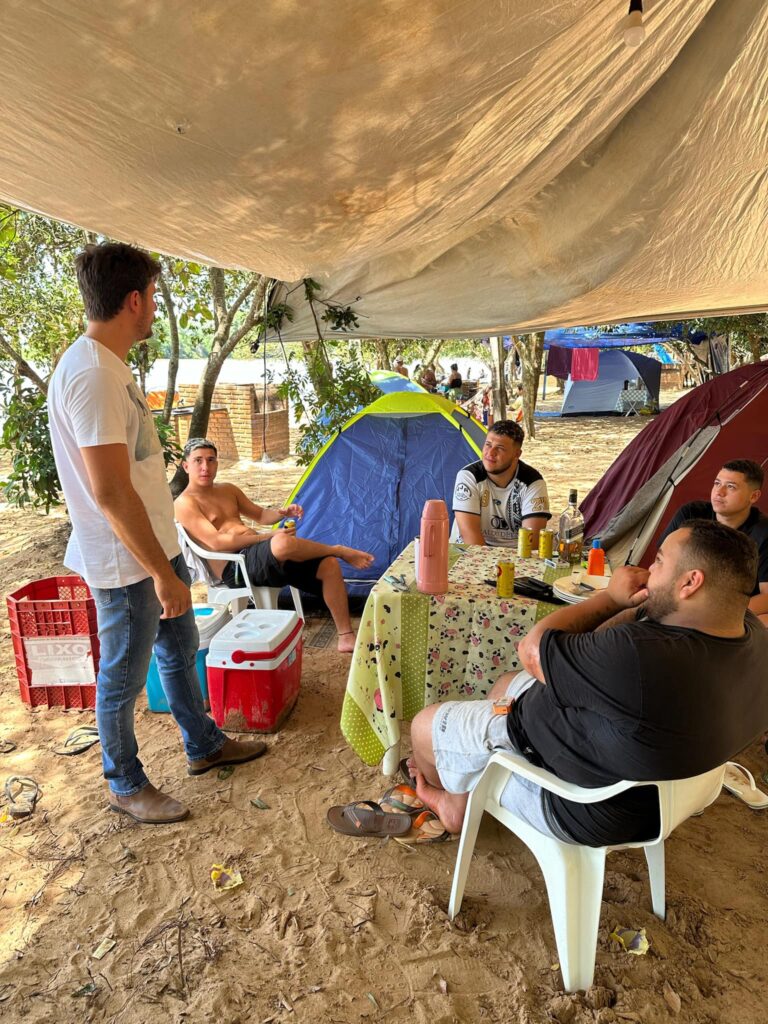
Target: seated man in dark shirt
[(733, 503), (660, 676)]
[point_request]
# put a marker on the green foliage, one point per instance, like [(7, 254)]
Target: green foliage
[(33, 480), (324, 409), (172, 451), (40, 307), (337, 316)]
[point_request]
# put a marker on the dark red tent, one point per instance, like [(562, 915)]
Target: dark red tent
[(675, 459)]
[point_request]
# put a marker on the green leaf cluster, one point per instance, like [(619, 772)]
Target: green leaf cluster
[(33, 480)]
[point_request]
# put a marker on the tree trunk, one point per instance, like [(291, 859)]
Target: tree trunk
[(433, 351), (224, 341), (383, 361), (173, 361), (754, 347), (531, 349), (201, 414), (498, 388), (23, 366)]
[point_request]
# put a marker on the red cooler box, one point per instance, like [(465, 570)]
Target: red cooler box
[(254, 670)]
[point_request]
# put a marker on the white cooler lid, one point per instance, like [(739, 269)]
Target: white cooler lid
[(209, 619), (257, 629)]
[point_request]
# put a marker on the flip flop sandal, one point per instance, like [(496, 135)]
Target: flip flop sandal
[(740, 782), (22, 794), (366, 819), (6, 746), (427, 828), (78, 741), (403, 799)]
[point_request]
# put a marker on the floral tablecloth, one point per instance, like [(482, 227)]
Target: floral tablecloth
[(414, 649)]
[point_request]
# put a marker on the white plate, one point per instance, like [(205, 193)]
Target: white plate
[(566, 588)]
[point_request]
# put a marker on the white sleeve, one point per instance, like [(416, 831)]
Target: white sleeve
[(466, 494), (95, 402), (535, 501)]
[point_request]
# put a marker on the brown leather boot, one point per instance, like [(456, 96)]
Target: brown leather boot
[(233, 752), (149, 806)]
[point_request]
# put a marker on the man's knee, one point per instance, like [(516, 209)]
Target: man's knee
[(284, 546), (329, 569), (421, 730)]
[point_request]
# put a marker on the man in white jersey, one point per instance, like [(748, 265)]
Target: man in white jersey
[(494, 497), (123, 540)]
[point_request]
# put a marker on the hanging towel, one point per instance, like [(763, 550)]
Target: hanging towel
[(584, 363), (559, 361)]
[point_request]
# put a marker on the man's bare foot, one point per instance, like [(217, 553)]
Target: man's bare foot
[(449, 807), (360, 559), (346, 642)]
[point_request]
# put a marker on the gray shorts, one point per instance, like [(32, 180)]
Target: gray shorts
[(464, 736)]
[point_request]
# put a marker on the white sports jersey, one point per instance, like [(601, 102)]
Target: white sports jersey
[(502, 510)]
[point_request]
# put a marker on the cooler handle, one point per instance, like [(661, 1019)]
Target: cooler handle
[(240, 656)]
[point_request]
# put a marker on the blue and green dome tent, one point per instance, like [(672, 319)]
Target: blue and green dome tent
[(389, 381), (367, 485)]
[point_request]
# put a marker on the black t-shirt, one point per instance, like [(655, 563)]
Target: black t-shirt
[(641, 701), (755, 526)]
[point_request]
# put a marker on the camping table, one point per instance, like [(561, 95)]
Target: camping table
[(414, 649), (632, 401)]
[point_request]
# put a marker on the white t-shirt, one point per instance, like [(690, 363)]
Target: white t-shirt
[(94, 400), (502, 510)]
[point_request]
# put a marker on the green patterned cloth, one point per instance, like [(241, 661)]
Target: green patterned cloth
[(414, 649)]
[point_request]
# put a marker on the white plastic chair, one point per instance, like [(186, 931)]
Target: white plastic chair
[(574, 874), (198, 560)]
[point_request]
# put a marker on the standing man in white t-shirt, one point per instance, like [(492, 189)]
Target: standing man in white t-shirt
[(123, 540), (494, 497)]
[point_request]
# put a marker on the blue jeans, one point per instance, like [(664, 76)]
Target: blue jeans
[(129, 627)]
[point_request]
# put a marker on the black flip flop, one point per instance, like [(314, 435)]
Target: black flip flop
[(6, 746), (366, 820), (78, 741)]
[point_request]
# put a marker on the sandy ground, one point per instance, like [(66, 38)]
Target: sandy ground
[(326, 928)]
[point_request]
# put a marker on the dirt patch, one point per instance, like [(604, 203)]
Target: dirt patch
[(328, 928)]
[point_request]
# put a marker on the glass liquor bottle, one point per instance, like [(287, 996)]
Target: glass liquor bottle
[(570, 534)]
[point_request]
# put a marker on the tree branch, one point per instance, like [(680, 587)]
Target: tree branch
[(173, 362), (251, 317), (24, 368)]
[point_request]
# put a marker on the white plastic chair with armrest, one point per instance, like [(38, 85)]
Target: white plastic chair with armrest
[(574, 874), (220, 593)]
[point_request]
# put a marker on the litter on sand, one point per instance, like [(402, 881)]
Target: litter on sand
[(103, 948), (632, 941), (224, 877), (256, 801)]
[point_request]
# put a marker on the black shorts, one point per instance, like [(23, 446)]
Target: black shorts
[(264, 570)]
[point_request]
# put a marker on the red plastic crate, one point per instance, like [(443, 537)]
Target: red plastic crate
[(59, 606)]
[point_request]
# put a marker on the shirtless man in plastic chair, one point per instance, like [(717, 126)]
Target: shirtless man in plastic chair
[(212, 514)]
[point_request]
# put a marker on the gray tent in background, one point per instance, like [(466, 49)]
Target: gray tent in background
[(603, 395)]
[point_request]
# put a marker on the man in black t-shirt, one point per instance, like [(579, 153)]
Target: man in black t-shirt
[(735, 493), (660, 676)]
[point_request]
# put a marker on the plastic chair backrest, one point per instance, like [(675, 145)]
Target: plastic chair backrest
[(681, 798)]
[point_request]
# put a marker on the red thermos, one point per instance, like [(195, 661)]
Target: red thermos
[(433, 548)]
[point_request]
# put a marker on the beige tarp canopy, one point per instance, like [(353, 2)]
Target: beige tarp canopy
[(460, 165)]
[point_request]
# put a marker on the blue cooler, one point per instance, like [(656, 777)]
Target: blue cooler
[(209, 619)]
